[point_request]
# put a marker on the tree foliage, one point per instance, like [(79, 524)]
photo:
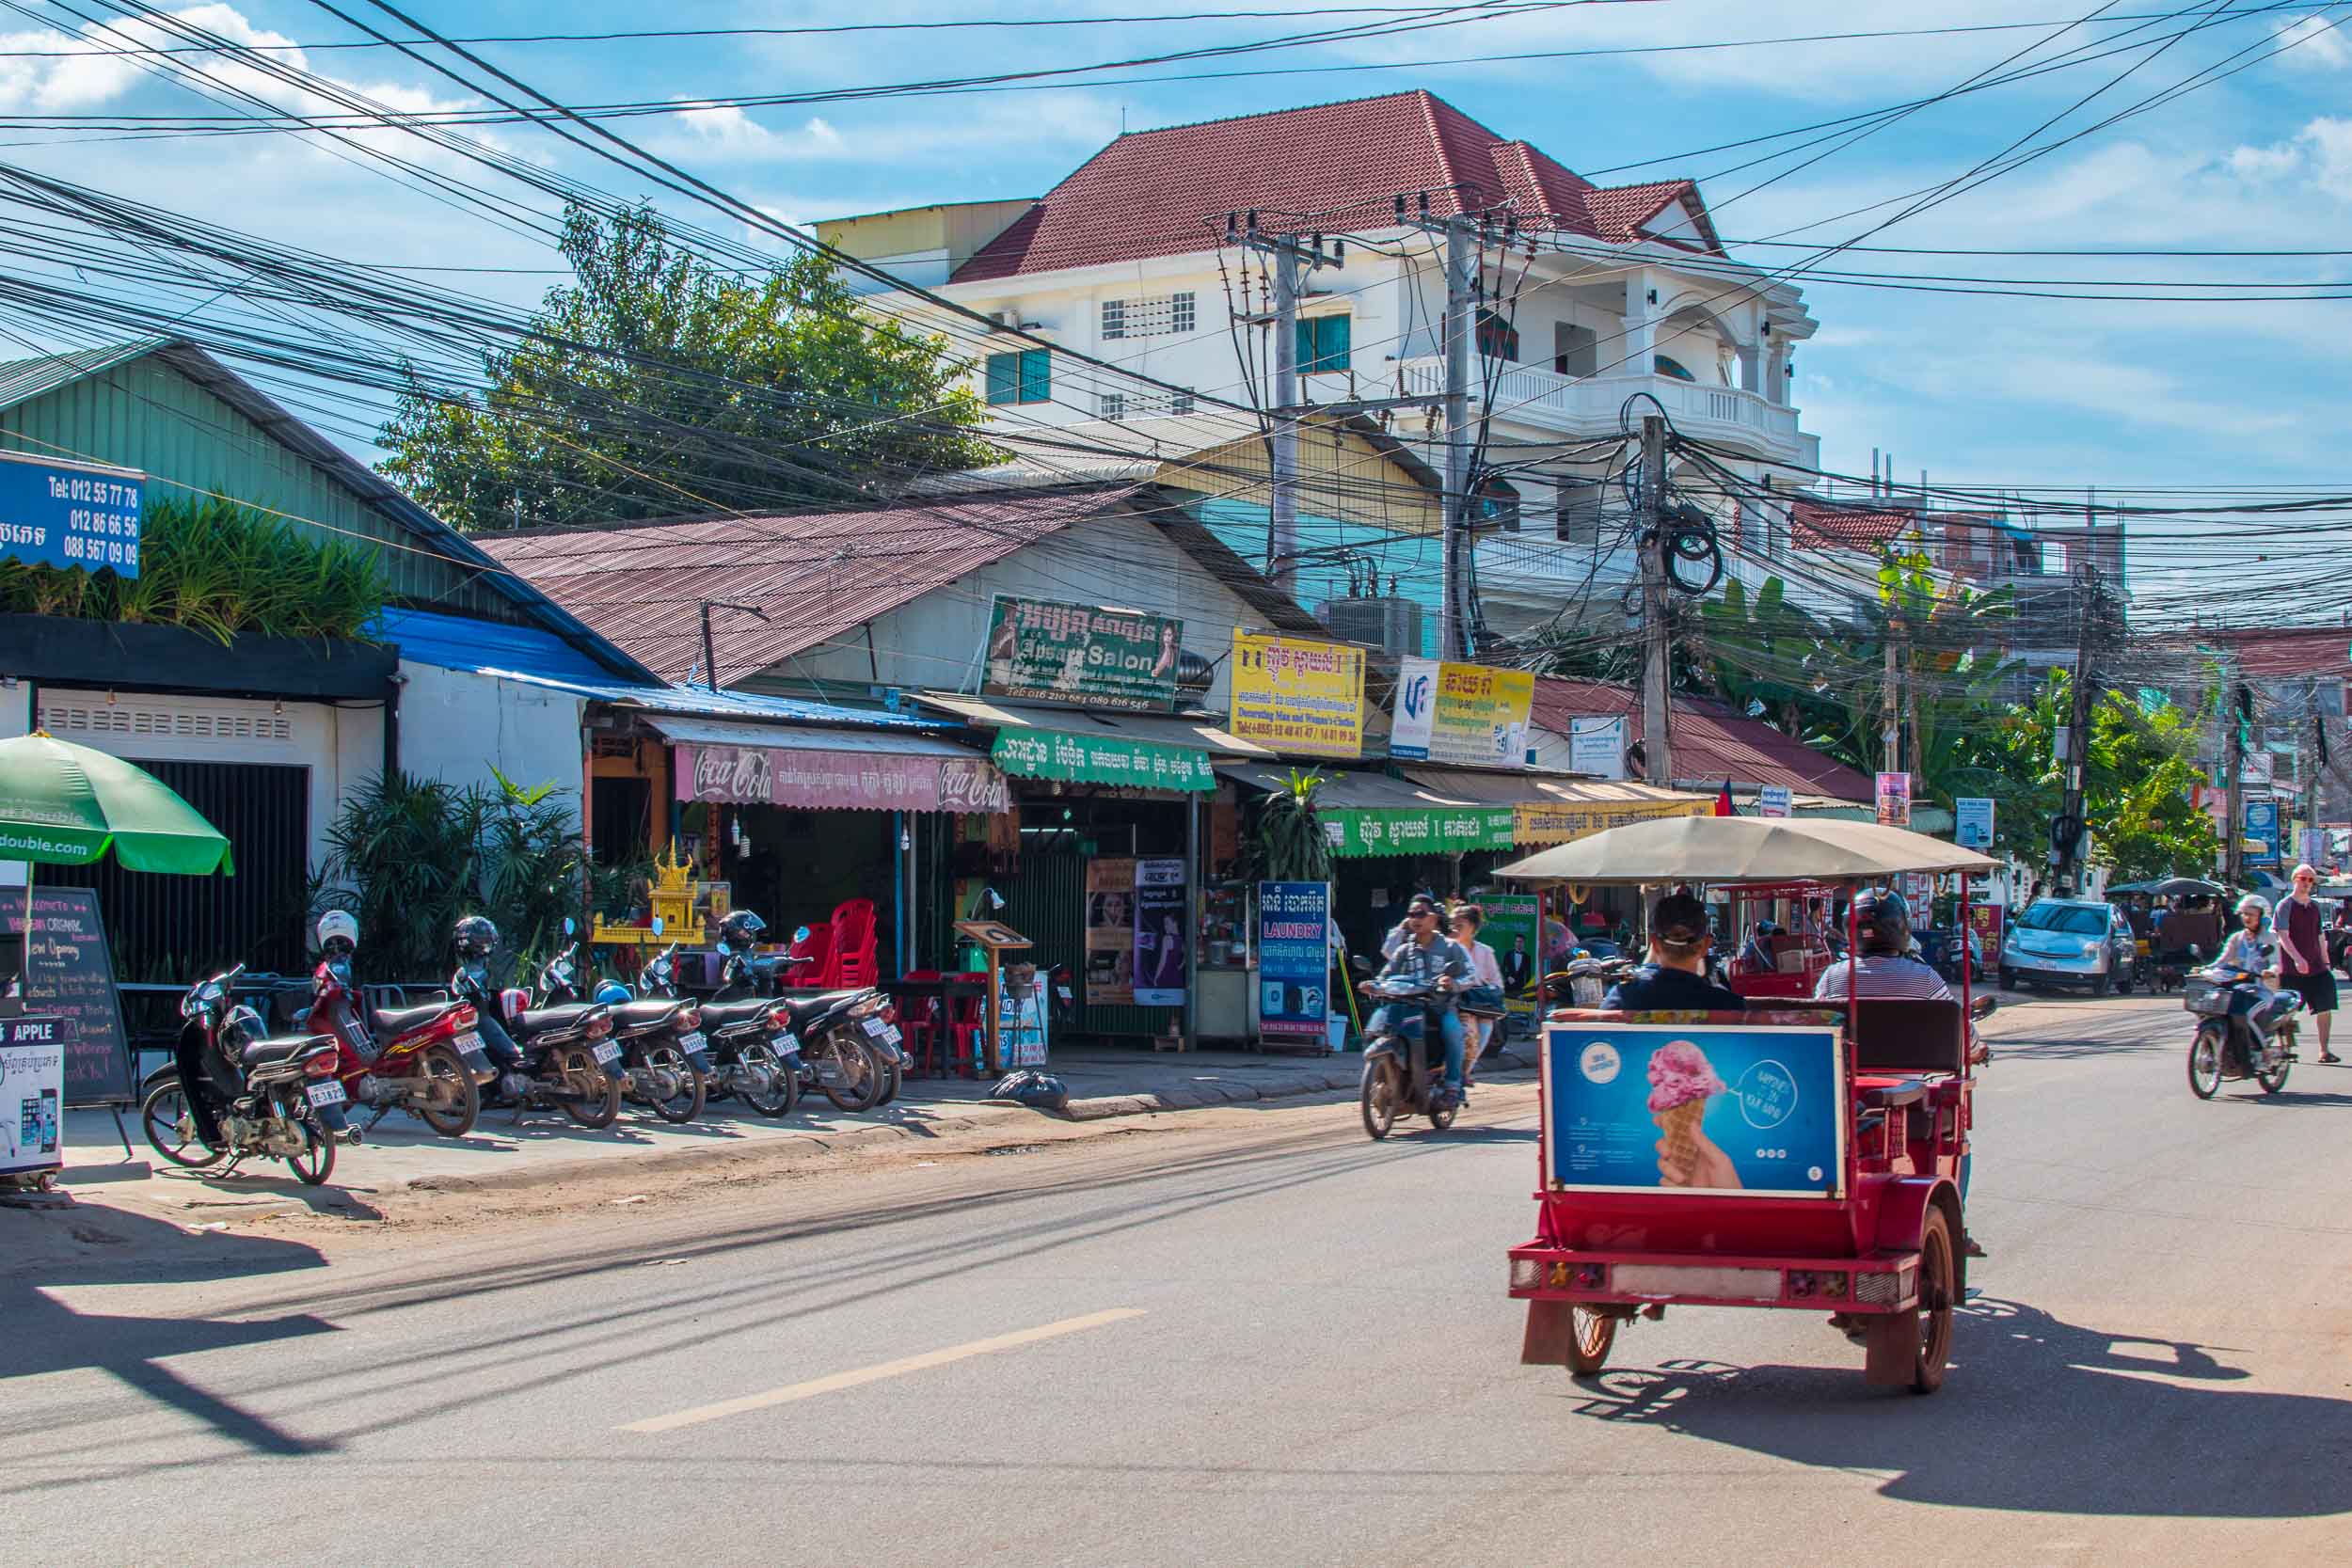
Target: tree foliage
[(655, 385), (1290, 843)]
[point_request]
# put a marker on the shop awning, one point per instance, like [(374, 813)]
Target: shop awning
[(792, 765), (1371, 813), (1140, 749), (1551, 809)]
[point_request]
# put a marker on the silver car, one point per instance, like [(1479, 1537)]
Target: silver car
[(2069, 941)]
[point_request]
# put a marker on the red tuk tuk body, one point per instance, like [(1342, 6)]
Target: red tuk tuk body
[(1865, 1228), (1796, 954)]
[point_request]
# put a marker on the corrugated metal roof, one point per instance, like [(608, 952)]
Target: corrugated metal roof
[(1348, 789), (1499, 787), (456, 642), (1164, 729), (1711, 742), (819, 575), (726, 732)]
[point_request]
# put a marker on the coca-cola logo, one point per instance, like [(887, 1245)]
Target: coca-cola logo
[(731, 773), (972, 787)]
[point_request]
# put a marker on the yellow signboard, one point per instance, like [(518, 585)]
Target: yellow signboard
[(1562, 822), (1461, 713), (1295, 694)]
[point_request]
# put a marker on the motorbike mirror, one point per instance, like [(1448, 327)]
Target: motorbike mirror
[(659, 921), (1360, 963), (1985, 1006), (570, 925), (800, 935)]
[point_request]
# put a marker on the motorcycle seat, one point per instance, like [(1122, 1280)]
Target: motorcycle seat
[(728, 1015), (1890, 1096), (539, 1021), (807, 1010), (388, 1022), (629, 1016), (284, 1047)]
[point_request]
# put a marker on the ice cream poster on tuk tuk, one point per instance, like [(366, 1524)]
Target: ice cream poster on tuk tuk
[(1746, 1110)]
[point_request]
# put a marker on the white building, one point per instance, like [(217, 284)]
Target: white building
[(1603, 294)]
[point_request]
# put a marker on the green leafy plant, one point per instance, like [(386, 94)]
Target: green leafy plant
[(219, 569), (1289, 843)]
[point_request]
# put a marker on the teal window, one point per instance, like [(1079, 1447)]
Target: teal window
[(1023, 377), (1497, 338), (1674, 368), (1323, 343)]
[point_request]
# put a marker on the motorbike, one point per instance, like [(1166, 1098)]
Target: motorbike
[(252, 1093), (1402, 1074), (426, 1060), (656, 1038), (840, 1033), (2238, 1034), (751, 1050), (568, 1053)]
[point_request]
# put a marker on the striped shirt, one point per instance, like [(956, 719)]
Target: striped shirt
[(1884, 974)]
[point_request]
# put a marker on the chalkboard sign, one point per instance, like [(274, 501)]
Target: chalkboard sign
[(71, 974)]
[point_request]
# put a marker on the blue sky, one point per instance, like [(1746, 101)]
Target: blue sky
[(1985, 391)]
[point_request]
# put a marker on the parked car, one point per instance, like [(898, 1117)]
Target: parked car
[(2069, 941)]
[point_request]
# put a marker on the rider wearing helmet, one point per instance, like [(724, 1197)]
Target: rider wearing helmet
[(472, 941), (2253, 948), (740, 931), (1885, 967)]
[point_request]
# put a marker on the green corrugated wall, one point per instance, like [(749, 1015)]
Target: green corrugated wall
[(145, 414)]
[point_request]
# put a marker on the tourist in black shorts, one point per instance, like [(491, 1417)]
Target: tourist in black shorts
[(2303, 955)]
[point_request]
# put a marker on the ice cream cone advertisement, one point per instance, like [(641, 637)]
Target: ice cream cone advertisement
[(1689, 1107)]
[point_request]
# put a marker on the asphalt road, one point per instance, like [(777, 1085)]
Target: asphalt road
[(1232, 1338)]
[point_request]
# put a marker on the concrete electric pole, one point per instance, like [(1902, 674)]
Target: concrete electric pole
[(2066, 833), (1461, 328), (1657, 629), (1288, 263)]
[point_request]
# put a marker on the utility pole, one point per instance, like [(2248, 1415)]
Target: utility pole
[(1657, 633), (2066, 833), (1288, 263), (1461, 327), (1889, 730), (2241, 712)]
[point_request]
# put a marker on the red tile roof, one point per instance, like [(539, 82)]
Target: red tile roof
[(1331, 166), (1820, 526), (2275, 653), (1712, 740)]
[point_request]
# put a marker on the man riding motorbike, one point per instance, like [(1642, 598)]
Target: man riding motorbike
[(1428, 957)]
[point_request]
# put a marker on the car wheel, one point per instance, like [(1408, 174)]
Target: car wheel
[(2008, 978)]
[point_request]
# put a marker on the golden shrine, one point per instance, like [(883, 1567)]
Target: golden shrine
[(686, 908)]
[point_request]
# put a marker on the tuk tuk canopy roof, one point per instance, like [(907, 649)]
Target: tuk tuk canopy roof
[(1743, 849)]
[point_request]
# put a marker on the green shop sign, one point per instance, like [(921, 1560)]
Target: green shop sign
[(1102, 759), (1356, 831)]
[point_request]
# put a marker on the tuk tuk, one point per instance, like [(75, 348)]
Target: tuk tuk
[(1799, 1154), (1788, 960)]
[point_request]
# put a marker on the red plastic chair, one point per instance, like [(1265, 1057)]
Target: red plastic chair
[(965, 1024), (809, 960), (853, 945), (924, 1024)]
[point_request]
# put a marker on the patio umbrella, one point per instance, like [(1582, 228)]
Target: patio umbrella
[(62, 804)]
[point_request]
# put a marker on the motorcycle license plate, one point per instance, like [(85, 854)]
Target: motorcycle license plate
[(328, 1093), (875, 1027), (690, 1043), (890, 1033), (786, 1044), (607, 1053), (469, 1044)]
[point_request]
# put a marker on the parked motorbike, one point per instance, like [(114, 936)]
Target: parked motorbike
[(1402, 1073), (234, 1092), (655, 1038), (547, 1057), (426, 1060), (839, 1031), (749, 1051), (2238, 1034)]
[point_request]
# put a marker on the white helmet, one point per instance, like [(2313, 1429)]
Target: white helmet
[(337, 923), (2256, 902)]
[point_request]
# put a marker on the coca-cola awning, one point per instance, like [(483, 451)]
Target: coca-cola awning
[(785, 765)]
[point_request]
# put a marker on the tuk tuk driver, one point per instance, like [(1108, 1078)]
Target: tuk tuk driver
[(1427, 955), (1675, 979)]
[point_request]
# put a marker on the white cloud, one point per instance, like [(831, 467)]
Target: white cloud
[(2314, 44)]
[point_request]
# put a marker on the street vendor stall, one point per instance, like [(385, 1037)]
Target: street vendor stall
[(1809, 1156)]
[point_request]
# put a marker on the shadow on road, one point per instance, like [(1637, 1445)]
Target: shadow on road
[(2038, 1415), (91, 1245)]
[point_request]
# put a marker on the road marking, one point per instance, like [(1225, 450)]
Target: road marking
[(839, 1381)]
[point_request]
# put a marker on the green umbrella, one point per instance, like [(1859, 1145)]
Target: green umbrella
[(62, 804)]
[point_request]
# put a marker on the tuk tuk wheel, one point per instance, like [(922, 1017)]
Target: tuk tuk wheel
[(1931, 1341), (1588, 1348), (1378, 1096), (2205, 1062)]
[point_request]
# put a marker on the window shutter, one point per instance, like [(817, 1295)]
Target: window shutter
[(1003, 377), (1335, 343), (1036, 376)]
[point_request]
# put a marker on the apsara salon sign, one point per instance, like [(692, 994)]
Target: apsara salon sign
[(1070, 653)]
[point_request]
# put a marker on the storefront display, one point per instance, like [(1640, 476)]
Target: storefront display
[(1068, 653), (1110, 932), (32, 1094), (1513, 930), (1160, 939), (1225, 962), (1102, 759)]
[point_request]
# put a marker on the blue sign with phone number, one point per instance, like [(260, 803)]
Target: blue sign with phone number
[(64, 514)]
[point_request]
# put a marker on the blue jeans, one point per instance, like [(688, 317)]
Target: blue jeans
[(1449, 1025)]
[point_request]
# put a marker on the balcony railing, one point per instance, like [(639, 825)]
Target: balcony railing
[(1524, 394)]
